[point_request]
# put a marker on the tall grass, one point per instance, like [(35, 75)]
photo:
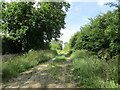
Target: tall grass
[(14, 66), (91, 72)]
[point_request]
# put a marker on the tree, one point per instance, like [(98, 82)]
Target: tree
[(33, 27), (56, 45), (73, 39), (102, 33), (66, 46)]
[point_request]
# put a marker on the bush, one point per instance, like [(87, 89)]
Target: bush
[(101, 33), (91, 72), (10, 46), (80, 54), (14, 66)]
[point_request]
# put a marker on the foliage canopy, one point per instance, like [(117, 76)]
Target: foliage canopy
[(102, 33), (33, 27)]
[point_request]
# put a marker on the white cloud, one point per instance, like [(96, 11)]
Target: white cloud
[(102, 2), (81, 1), (8, 1), (58, 0), (21, 0), (67, 34)]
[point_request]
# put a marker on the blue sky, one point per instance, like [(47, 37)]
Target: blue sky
[(78, 15)]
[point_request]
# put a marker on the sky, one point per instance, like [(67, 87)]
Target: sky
[(79, 13)]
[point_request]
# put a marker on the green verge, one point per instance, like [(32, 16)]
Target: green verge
[(16, 65), (55, 68), (91, 72)]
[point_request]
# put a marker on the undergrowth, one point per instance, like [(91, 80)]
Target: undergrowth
[(16, 65), (91, 72), (55, 68)]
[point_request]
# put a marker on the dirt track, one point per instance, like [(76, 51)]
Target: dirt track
[(44, 76)]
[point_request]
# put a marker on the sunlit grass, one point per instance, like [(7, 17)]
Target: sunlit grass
[(59, 60), (91, 72), (14, 66), (55, 68)]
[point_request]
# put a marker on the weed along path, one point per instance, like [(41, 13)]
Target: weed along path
[(55, 73)]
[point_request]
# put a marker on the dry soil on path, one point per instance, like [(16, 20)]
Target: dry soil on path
[(44, 76)]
